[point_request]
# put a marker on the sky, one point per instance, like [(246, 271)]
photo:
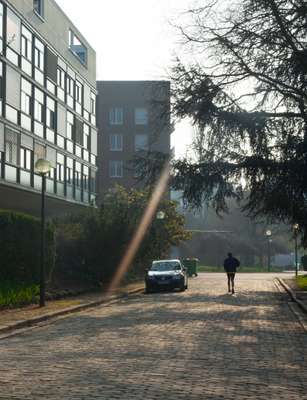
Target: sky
[(133, 40)]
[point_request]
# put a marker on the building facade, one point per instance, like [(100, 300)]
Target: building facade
[(132, 116), (47, 108)]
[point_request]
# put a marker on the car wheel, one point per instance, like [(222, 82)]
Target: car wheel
[(182, 287), (148, 290), (186, 286)]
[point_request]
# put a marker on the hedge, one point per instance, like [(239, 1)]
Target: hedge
[(20, 248)]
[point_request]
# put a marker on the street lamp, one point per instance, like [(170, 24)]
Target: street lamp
[(160, 215), (42, 167), (268, 234), (295, 230)]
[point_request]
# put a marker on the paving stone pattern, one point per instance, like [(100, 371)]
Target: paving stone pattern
[(200, 344)]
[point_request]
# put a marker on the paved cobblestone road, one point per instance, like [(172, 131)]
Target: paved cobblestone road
[(201, 344)]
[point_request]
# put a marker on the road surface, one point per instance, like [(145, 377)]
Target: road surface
[(200, 344)]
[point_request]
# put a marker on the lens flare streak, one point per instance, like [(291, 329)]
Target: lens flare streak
[(148, 216)]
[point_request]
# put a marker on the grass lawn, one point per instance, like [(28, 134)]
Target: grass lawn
[(206, 268), (302, 281)]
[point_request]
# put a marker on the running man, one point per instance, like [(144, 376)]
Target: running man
[(230, 266)]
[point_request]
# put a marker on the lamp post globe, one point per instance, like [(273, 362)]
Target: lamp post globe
[(268, 233), (160, 215), (42, 166)]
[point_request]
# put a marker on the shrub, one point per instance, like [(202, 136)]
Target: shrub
[(304, 262), (92, 244), (12, 294), (20, 248)]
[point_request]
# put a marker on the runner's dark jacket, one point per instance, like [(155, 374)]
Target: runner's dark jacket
[(231, 264)]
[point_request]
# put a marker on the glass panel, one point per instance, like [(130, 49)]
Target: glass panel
[(77, 47), (11, 146), (60, 189), (38, 7), (116, 116), (116, 169), (141, 116), (11, 114), (141, 142), (39, 151), (25, 178), (10, 173), (1, 20), (13, 31)]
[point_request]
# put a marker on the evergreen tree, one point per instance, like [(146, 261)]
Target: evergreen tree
[(247, 92)]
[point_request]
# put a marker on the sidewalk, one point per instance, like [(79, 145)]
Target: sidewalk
[(19, 318), (297, 294)]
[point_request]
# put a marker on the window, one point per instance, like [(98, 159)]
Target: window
[(69, 86), (50, 113), (76, 46), (11, 146), (39, 151), (51, 61), (116, 169), (25, 103), (69, 170), (38, 105), (38, 111), (141, 116), (13, 84), (1, 22), (51, 173), (61, 78), (60, 168), (25, 158), (38, 7), (141, 142), (70, 125), (86, 136), (1, 86), (26, 43), (85, 177), (60, 172), (77, 174), (92, 180), (116, 116), (116, 142), (93, 103), (39, 51), (13, 31), (26, 92), (78, 131), (79, 92)]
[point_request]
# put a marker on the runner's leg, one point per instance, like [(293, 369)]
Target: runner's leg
[(228, 278), (233, 282)]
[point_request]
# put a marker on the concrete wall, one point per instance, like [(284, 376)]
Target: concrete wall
[(55, 32)]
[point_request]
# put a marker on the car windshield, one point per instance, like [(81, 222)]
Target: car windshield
[(166, 266)]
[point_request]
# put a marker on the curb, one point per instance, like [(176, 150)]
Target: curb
[(69, 310), (292, 295)]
